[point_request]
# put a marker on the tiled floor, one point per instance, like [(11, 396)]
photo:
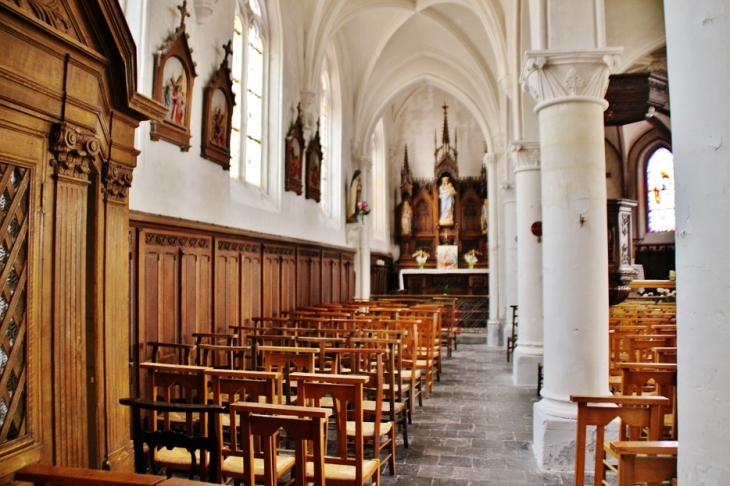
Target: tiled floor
[(474, 430)]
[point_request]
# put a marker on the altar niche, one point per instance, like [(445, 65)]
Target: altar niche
[(444, 211)]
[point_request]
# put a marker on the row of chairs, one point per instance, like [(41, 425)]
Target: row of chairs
[(381, 347), (643, 377)]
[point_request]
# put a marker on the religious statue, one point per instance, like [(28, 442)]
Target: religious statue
[(446, 200), (406, 219), (485, 215), (354, 196)]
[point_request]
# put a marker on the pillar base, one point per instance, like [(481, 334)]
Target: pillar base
[(524, 365), (553, 435), (494, 333)]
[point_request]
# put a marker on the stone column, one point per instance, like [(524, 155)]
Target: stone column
[(529, 351), (697, 32), (494, 327), (366, 166), (569, 87), (510, 255)]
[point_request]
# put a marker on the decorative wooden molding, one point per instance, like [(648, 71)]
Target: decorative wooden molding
[(294, 149), (173, 86), (160, 239), (218, 101), (74, 151), (314, 168), (238, 246), (117, 180), (279, 250), (50, 12)]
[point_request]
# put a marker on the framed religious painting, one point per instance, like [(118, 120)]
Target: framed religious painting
[(172, 86), (218, 101), (294, 154), (314, 168)]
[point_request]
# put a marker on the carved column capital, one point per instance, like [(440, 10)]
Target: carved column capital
[(366, 163), (73, 151), (556, 76), (490, 161), (117, 179), (525, 155)]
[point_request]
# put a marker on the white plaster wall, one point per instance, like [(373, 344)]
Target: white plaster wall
[(420, 119), (180, 184), (697, 33)]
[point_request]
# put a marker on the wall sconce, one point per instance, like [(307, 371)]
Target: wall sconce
[(536, 230)]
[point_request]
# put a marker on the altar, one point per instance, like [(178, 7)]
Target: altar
[(452, 281)]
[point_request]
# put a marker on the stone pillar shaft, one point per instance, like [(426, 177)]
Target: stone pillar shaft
[(569, 89), (493, 325), (529, 350)]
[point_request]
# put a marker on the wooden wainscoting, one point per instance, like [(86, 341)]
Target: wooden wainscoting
[(192, 277)]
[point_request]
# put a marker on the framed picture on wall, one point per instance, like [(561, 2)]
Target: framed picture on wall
[(172, 86), (294, 150), (218, 101), (314, 168)]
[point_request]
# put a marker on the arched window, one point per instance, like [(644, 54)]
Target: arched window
[(324, 132), (248, 86), (660, 191)]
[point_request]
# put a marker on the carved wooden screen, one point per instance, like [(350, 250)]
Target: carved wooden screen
[(14, 205)]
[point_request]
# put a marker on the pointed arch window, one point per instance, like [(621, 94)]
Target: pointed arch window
[(324, 132), (248, 86), (660, 191)]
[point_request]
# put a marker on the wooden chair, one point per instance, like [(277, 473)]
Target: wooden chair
[(227, 357), (654, 379), (176, 384), (512, 338), (191, 450), (395, 390), (377, 432), (346, 394), (265, 421), (288, 360), (171, 353), (640, 417), (645, 462), (218, 338), (411, 373)]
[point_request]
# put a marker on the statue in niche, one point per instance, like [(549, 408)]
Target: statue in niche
[(446, 202), (406, 219), (354, 196)]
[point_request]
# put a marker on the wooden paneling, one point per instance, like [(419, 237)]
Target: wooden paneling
[(309, 271)]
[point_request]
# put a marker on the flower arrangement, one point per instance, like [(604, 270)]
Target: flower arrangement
[(470, 257), (363, 208), (421, 257)]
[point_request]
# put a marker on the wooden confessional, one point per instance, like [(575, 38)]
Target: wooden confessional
[(68, 112)]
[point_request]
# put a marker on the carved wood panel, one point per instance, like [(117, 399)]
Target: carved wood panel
[(279, 279), (237, 286), (309, 268)]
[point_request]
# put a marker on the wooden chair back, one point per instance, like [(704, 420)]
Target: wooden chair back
[(658, 379), (228, 357), (288, 360), (258, 434), (171, 353), (48, 475), (640, 417), (346, 393), (200, 446)]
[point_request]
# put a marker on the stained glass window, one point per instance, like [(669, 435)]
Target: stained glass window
[(247, 71), (660, 191)]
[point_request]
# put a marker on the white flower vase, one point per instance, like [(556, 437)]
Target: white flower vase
[(421, 261)]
